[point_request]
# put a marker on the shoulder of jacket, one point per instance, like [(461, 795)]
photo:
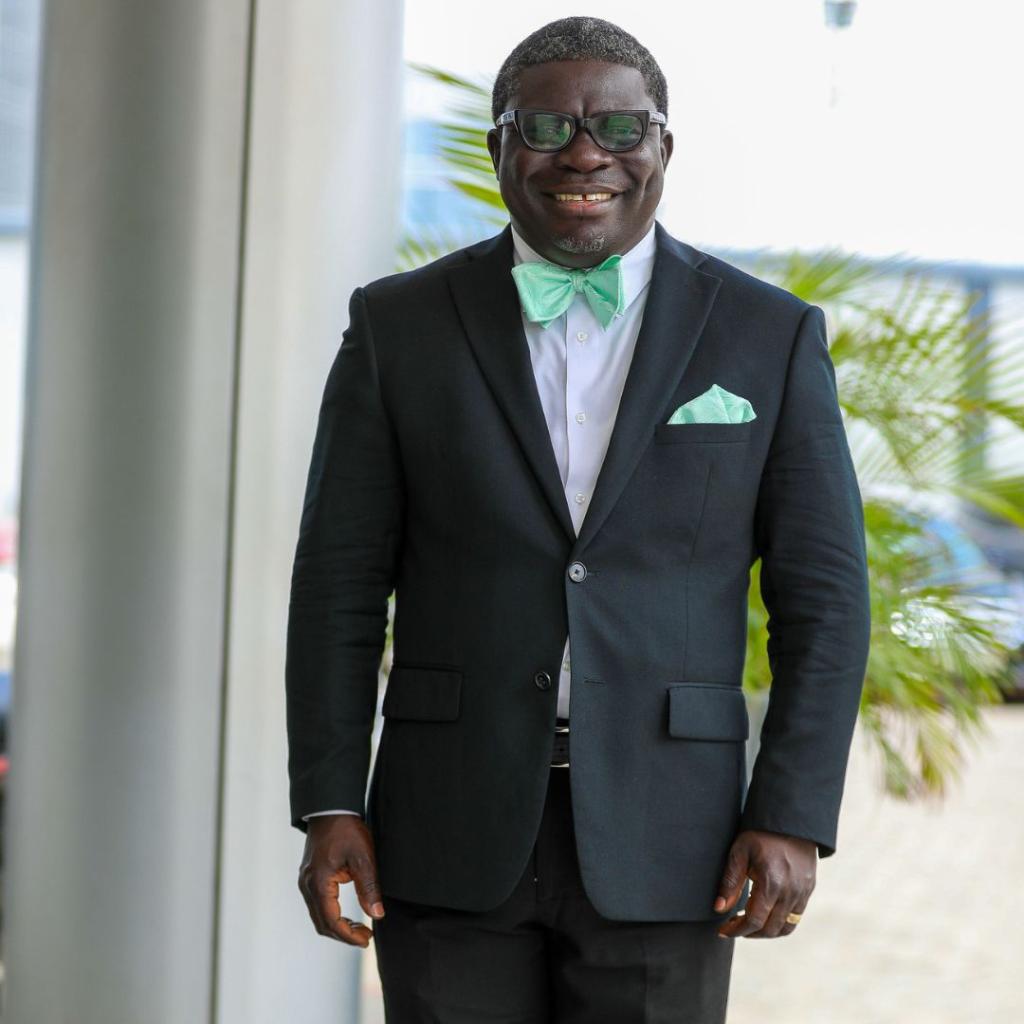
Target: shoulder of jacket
[(762, 295)]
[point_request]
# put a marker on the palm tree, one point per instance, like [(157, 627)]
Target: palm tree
[(913, 371)]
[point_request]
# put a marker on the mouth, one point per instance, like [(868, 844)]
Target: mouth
[(581, 202)]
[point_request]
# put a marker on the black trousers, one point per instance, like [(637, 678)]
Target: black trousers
[(545, 956)]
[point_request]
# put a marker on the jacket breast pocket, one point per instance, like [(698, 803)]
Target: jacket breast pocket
[(703, 433), (707, 711), (422, 693)]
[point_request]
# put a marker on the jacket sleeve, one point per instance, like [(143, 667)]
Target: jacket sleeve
[(809, 533), (344, 571)]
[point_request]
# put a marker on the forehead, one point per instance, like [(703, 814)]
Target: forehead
[(581, 86)]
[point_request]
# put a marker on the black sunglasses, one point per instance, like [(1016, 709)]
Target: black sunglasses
[(548, 131)]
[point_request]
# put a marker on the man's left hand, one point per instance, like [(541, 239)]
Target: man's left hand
[(783, 870)]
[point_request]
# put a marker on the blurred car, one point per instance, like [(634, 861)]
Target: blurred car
[(983, 592)]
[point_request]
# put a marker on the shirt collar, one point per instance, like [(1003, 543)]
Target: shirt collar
[(637, 263)]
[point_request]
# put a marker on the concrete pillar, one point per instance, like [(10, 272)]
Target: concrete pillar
[(323, 217), (201, 215)]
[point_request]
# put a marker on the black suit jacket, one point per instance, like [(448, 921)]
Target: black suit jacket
[(433, 474)]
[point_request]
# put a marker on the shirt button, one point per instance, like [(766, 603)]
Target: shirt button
[(580, 417), (580, 498), (582, 335), (565, 665)]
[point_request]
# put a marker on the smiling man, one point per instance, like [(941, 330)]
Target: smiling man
[(564, 447)]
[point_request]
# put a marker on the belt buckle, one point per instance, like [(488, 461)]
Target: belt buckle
[(560, 729)]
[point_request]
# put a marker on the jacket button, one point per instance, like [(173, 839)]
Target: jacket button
[(577, 572), (543, 681)]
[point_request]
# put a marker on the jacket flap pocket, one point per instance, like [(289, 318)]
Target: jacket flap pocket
[(426, 694), (707, 711)]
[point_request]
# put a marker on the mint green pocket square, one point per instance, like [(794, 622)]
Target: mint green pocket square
[(716, 405)]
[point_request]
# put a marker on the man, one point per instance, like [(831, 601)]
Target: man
[(564, 447)]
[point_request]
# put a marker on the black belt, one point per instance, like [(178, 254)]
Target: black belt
[(560, 748)]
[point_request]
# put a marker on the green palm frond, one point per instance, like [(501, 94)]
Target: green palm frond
[(830, 276), (468, 90), (462, 142), (916, 372), (425, 247)]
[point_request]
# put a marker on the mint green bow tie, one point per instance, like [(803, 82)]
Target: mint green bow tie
[(546, 289)]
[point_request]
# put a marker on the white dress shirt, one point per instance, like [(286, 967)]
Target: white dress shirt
[(580, 368)]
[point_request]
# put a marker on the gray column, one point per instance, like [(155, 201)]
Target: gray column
[(201, 216), (322, 218)]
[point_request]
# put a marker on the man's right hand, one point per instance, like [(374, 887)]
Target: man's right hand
[(339, 848)]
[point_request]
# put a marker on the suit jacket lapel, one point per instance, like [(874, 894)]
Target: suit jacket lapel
[(488, 303), (679, 301)]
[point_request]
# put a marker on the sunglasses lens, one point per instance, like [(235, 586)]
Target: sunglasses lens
[(546, 131), (618, 131)]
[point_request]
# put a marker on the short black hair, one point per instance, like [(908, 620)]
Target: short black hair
[(578, 38)]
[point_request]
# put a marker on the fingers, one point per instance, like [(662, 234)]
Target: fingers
[(785, 927), (325, 909), (364, 873), (355, 933), (325, 868), (733, 877), (776, 924), (782, 868), (330, 920), (767, 907), (790, 895), (759, 906)]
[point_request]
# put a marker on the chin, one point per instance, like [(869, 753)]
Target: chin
[(579, 243)]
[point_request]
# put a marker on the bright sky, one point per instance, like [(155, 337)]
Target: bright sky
[(900, 134)]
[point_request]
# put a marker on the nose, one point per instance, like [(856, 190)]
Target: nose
[(583, 153)]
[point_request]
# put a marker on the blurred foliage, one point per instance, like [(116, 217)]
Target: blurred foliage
[(914, 369), (462, 145)]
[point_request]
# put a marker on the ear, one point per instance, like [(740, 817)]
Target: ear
[(494, 147), (666, 147)]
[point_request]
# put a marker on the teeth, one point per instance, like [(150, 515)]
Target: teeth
[(564, 197)]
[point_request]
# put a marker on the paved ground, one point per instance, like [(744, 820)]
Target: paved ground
[(915, 920)]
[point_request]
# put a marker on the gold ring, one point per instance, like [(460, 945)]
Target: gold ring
[(792, 918)]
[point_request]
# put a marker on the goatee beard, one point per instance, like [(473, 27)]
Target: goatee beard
[(570, 243)]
